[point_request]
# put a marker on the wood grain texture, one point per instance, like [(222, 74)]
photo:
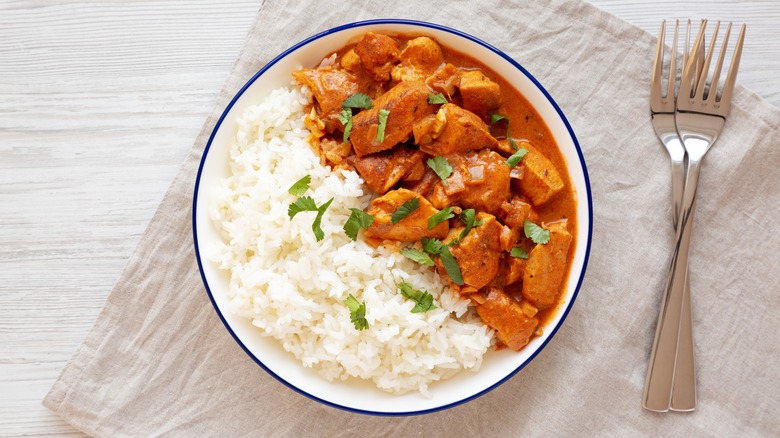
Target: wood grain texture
[(99, 103)]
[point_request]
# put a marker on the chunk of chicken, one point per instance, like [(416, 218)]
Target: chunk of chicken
[(382, 170), (505, 147), (427, 128), (378, 53), (479, 180), (419, 59), (444, 80), (350, 61), (330, 87), (513, 327), (424, 186), (407, 103), (335, 152), (411, 228), (480, 95), (515, 269), (479, 252), (540, 180), (546, 268), (462, 131), (516, 211), (416, 171)]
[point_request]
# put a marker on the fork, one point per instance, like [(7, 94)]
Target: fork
[(699, 118), (662, 108)]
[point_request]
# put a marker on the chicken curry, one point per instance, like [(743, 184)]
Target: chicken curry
[(467, 175)]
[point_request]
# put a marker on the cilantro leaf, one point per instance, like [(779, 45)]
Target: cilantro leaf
[(468, 217), (441, 166), (380, 130), (435, 99), (304, 203), (536, 233), (423, 301), (300, 186), (357, 100), (436, 247), (357, 220), (441, 216), (345, 117), (315, 226), (519, 253), (417, 256), (516, 157), (404, 210), (451, 266), (432, 245), (357, 312), (497, 117)]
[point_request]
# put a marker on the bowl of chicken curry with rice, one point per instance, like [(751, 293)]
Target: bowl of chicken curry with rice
[(473, 173)]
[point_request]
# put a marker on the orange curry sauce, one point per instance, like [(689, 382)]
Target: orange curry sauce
[(394, 71)]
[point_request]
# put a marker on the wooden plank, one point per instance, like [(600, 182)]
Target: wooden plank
[(99, 104)]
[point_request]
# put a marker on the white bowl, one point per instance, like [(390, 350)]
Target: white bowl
[(498, 366)]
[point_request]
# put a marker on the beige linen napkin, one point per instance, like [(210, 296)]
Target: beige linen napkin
[(159, 361)]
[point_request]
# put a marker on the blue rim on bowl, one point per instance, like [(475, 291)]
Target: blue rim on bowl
[(583, 239)]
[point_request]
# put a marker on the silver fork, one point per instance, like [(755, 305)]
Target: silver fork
[(699, 117), (662, 108)]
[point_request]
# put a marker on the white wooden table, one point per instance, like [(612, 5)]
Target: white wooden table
[(99, 103)]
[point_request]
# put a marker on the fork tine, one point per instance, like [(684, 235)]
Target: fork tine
[(699, 59), (718, 67), (672, 64), (731, 78), (689, 69), (686, 50), (702, 82), (656, 90)]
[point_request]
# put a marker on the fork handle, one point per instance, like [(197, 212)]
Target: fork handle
[(684, 383), (663, 356)]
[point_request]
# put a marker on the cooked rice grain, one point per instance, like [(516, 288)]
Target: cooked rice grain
[(293, 288)]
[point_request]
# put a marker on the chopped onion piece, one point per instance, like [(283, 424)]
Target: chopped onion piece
[(529, 309), (454, 184), (328, 61), (516, 172), (477, 298), (506, 238), (477, 173), (468, 290)]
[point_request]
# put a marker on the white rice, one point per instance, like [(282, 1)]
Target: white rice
[(293, 288)]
